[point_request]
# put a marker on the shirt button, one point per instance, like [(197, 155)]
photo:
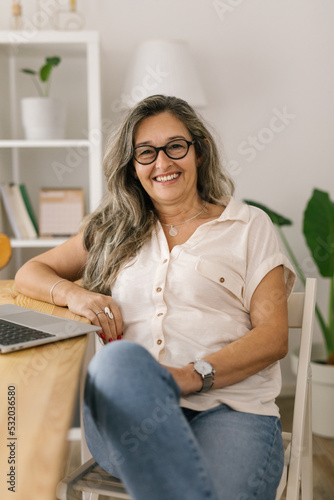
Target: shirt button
[(222, 279), (159, 342), (159, 289), (164, 262), (159, 314)]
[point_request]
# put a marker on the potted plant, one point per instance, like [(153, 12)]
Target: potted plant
[(318, 230), (43, 117)]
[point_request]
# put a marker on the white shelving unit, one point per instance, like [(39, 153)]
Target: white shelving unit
[(81, 46)]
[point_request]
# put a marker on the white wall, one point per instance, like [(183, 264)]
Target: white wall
[(257, 59)]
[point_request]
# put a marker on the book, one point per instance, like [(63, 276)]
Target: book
[(28, 228), (8, 204), (29, 206), (16, 211)]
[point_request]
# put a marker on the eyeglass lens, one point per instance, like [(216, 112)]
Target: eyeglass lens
[(175, 149)]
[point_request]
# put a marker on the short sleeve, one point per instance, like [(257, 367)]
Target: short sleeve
[(264, 253)]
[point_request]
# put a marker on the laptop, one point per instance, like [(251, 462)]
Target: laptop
[(21, 328)]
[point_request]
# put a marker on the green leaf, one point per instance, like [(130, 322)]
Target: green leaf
[(45, 71), (318, 228), (277, 219), (29, 71), (54, 61)]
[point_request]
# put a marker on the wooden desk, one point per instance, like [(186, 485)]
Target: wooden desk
[(45, 380)]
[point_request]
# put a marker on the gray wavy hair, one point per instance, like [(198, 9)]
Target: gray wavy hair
[(126, 217)]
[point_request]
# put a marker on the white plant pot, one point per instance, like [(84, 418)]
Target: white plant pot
[(322, 391), (43, 118)]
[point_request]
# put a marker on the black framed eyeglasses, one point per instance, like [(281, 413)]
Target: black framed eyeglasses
[(176, 149)]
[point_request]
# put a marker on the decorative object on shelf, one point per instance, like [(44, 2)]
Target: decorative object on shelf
[(44, 10), (318, 224), (68, 19), (60, 211), (5, 250), (163, 67), (16, 21), (43, 117)]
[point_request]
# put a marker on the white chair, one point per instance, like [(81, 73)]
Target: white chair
[(298, 470), (298, 467)]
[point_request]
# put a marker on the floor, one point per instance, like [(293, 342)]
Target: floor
[(323, 456)]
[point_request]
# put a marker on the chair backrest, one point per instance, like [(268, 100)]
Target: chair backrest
[(301, 313)]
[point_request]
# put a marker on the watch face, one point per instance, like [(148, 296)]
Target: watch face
[(203, 367)]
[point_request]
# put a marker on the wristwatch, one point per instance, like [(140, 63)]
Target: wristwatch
[(206, 371)]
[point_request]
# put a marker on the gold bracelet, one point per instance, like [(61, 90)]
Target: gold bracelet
[(59, 281)]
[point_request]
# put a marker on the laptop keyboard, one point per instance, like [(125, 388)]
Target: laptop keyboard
[(11, 333)]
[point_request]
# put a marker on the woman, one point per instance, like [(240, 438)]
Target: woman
[(196, 286)]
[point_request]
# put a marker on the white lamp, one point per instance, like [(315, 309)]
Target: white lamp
[(163, 67)]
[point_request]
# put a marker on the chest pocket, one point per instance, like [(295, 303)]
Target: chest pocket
[(222, 274)]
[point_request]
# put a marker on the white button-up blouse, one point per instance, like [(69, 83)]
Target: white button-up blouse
[(191, 302)]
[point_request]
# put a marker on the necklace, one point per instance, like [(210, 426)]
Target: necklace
[(174, 231)]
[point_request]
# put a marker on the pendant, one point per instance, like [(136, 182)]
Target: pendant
[(173, 231)]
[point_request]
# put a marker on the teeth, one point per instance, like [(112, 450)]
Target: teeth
[(166, 177)]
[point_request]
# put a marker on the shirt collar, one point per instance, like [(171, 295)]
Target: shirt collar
[(235, 211)]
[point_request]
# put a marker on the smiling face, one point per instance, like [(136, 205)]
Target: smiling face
[(167, 181)]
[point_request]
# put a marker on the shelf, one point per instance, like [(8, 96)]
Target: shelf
[(37, 243), (10, 37), (16, 47), (51, 36), (21, 143)]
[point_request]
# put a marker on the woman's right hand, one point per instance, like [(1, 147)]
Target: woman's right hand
[(56, 271), (100, 309)]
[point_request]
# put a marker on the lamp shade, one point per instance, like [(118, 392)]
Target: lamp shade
[(163, 67)]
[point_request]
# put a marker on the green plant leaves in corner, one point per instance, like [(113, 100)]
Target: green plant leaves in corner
[(277, 219), (318, 228)]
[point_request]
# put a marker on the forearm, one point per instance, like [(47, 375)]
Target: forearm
[(248, 355), (237, 361), (35, 279), (37, 276)]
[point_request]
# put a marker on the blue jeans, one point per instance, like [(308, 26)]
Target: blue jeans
[(137, 431)]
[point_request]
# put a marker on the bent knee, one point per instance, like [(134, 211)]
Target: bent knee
[(117, 357)]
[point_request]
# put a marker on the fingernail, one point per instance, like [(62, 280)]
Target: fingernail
[(110, 340), (119, 337), (103, 337)]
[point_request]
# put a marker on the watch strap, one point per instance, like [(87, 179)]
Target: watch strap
[(207, 382)]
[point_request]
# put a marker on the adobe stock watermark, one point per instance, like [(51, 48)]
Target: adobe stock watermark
[(137, 434), (75, 155), (40, 19), (41, 358), (152, 78), (223, 8), (255, 143)]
